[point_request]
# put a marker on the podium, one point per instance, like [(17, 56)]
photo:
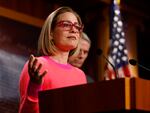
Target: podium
[(119, 95)]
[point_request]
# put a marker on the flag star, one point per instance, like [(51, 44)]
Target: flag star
[(119, 54), (116, 18), (117, 35), (117, 12), (116, 43), (124, 58), (115, 50), (118, 61), (122, 33), (120, 47), (115, 25), (114, 57), (119, 29), (122, 40), (125, 51), (120, 23)]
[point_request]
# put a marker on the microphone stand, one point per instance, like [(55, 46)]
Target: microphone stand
[(134, 62), (116, 72), (143, 67)]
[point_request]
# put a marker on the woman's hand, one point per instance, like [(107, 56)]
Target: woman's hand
[(34, 70)]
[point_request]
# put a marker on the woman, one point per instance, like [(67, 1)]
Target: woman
[(58, 40)]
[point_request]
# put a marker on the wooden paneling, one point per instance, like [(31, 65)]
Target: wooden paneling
[(20, 17), (37, 8)]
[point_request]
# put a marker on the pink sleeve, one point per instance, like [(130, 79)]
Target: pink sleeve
[(33, 90), (28, 93)]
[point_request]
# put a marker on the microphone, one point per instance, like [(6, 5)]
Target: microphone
[(99, 52), (134, 62)]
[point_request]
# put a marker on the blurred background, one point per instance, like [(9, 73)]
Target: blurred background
[(21, 22)]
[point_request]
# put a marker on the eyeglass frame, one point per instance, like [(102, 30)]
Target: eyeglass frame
[(70, 25)]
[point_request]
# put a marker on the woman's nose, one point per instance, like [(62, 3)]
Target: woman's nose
[(81, 53)]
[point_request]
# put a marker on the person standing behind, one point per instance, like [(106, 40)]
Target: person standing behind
[(79, 59), (58, 40)]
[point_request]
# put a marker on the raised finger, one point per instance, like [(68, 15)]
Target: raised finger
[(38, 68), (43, 74), (30, 61), (34, 64)]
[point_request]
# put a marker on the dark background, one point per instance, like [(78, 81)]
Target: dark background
[(18, 40)]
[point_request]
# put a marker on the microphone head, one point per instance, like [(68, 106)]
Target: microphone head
[(132, 62), (99, 51)]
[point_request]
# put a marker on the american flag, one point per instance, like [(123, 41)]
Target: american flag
[(118, 54)]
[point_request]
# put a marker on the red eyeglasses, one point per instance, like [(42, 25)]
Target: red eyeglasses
[(67, 25)]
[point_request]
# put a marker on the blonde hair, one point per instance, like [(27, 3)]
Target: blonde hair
[(85, 37), (46, 45)]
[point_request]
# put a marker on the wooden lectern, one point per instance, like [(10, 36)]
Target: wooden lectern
[(120, 95)]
